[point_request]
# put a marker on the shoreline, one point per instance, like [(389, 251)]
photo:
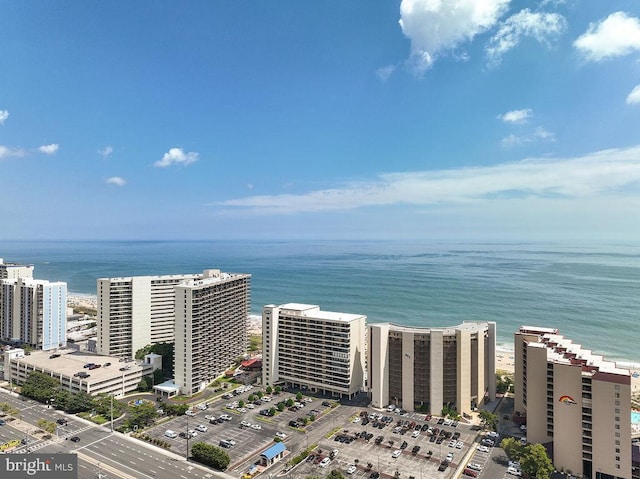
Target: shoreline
[(505, 359)]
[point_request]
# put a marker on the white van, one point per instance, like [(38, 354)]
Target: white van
[(171, 434)]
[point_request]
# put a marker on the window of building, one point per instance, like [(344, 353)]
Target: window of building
[(617, 426)]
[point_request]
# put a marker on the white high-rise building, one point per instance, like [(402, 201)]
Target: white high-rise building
[(134, 312), (210, 327), (305, 347), (33, 312), (14, 270)]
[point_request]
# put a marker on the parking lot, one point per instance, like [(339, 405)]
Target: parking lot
[(368, 443)]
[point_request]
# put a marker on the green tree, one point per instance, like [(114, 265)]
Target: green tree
[(512, 447), (299, 396), (40, 386), (335, 474), (269, 390), (141, 415), (503, 382), (277, 389), (7, 408), (210, 455), (251, 398), (281, 406), (241, 403), (272, 411), (259, 394), (78, 402), (175, 409), (145, 384), (102, 405), (289, 402), (48, 426), (488, 420), (166, 350), (535, 462)]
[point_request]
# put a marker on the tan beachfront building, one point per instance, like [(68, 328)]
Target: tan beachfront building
[(305, 347), (432, 367), (575, 402)]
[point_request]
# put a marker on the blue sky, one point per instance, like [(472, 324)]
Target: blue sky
[(450, 119)]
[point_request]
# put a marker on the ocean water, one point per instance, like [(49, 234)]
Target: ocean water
[(590, 293)]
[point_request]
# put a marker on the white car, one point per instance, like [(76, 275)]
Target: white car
[(415, 434), (493, 434), (483, 449), (325, 462), (281, 435), (396, 453), (208, 417), (241, 409), (351, 469), (192, 433), (356, 420), (250, 406), (459, 445), (474, 466), (231, 441), (245, 424), (453, 443), (514, 464), (449, 457), (201, 428), (202, 406), (190, 413), (514, 471), (257, 427), (226, 417)]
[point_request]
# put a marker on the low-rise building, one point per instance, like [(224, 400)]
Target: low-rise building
[(75, 372)]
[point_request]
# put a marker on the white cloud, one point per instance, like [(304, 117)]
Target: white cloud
[(539, 25), (4, 114), (385, 73), (615, 36), (48, 149), (516, 116), (105, 151), (176, 156), (538, 134), (116, 180), (8, 152), (437, 27), (634, 96), (600, 174)]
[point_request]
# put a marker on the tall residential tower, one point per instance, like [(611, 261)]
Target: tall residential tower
[(210, 327), (574, 402), (305, 347), (431, 368), (33, 312)]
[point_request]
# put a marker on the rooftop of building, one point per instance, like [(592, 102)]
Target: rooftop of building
[(471, 326), (14, 265), (562, 350), (313, 311), (71, 362)]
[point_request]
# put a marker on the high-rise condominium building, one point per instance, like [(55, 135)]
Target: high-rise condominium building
[(14, 270), (305, 347), (33, 312), (136, 311), (210, 327), (575, 402), (430, 368)]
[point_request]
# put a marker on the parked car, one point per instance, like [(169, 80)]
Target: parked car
[(514, 471), (201, 428), (325, 462), (74, 439), (351, 469), (483, 449), (396, 453)]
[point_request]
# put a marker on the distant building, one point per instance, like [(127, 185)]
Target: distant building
[(432, 367), (305, 347), (575, 402), (33, 312), (272, 454), (134, 312), (210, 327), (14, 270)]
